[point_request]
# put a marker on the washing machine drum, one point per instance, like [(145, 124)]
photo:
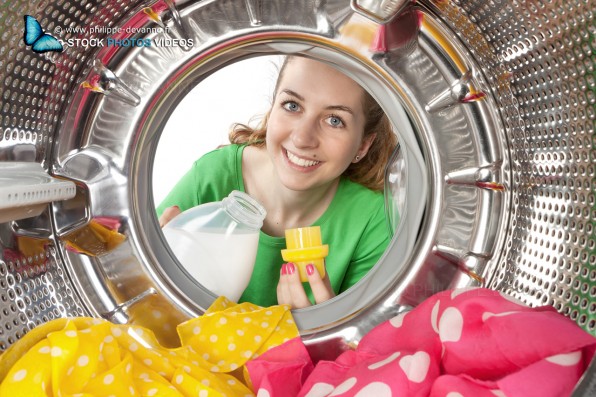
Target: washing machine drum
[(492, 183)]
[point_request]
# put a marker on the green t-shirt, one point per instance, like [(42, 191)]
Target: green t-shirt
[(353, 225)]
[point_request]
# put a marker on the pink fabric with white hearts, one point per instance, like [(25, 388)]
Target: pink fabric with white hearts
[(460, 343)]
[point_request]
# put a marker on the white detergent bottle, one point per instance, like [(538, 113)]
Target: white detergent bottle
[(216, 243)]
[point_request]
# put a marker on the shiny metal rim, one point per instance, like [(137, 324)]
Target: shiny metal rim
[(137, 98)]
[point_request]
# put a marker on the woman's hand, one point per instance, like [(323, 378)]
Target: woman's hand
[(168, 214), (291, 292)]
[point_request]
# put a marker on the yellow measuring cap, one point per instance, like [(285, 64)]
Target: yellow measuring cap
[(305, 247)]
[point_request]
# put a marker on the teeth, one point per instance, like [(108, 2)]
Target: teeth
[(301, 162)]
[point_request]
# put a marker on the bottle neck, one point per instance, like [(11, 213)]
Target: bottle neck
[(244, 209)]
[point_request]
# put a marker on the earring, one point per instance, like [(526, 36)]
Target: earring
[(357, 158)]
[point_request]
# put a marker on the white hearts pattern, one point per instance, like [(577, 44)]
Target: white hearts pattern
[(320, 390), (512, 299), (434, 316), (344, 387), (566, 359), (376, 389), (487, 315), (451, 335), (398, 320), (415, 366), (451, 325), (384, 362)]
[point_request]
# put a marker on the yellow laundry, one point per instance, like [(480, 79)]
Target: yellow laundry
[(87, 357)]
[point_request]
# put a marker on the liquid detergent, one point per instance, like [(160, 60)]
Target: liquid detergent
[(216, 243), (304, 247)]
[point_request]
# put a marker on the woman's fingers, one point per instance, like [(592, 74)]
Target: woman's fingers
[(290, 289), (283, 297), (321, 287), (295, 288), (168, 214)]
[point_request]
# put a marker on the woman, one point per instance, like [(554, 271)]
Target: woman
[(318, 159)]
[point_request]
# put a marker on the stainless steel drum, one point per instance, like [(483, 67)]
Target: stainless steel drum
[(493, 103)]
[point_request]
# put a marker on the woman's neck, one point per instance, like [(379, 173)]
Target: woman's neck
[(286, 209)]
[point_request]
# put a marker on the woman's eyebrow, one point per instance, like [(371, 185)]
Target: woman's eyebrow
[(341, 107), (293, 93), (331, 107)]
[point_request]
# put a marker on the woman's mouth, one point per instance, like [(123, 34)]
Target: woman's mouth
[(299, 161)]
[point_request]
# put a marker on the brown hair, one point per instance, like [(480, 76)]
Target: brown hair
[(370, 170)]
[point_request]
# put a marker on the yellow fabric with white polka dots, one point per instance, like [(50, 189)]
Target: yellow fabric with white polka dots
[(85, 357)]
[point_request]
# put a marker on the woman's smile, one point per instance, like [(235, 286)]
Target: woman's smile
[(303, 163)]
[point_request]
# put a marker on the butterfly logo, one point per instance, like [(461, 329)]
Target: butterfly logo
[(39, 41)]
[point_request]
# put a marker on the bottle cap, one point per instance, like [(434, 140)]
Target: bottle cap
[(304, 247)]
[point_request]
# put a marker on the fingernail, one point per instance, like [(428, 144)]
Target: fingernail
[(310, 269), (283, 269), (291, 269)]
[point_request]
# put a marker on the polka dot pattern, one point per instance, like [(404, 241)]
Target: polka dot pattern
[(56, 351), (263, 393), (19, 375), (230, 334), (83, 360), (108, 379), (44, 350), (94, 357)]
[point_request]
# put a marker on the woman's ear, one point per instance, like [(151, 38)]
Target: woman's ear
[(367, 142)]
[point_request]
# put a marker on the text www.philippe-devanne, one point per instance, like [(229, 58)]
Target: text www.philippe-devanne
[(80, 41), (109, 30)]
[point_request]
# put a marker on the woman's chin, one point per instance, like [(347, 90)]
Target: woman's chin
[(297, 186)]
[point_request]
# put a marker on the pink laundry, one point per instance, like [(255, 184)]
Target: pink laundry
[(460, 343)]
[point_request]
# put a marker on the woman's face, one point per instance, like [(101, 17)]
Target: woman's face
[(316, 126)]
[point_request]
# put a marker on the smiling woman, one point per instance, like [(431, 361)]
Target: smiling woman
[(318, 158)]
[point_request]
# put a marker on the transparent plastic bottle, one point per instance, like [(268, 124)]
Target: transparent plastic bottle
[(216, 243)]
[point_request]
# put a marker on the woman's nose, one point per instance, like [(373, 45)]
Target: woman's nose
[(305, 133)]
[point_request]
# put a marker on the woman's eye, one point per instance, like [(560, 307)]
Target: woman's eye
[(291, 106), (335, 121)]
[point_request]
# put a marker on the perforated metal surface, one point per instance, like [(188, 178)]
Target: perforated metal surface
[(537, 56), (34, 287), (547, 51), (33, 290), (34, 87)]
